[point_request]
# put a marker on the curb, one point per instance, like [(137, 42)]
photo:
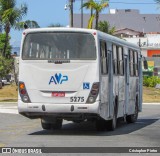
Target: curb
[(150, 103)]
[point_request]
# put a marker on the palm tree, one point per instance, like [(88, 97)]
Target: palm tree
[(29, 23), (104, 26), (98, 8), (157, 1), (10, 16)]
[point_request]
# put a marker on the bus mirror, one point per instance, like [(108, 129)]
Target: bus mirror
[(145, 64)]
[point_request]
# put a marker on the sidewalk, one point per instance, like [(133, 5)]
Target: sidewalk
[(151, 103)]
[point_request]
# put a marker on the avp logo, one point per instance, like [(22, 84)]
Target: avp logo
[(58, 79)]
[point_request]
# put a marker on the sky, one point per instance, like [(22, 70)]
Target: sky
[(46, 12)]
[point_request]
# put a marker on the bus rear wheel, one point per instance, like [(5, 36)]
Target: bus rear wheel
[(100, 124), (112, 124), (57, 124), (45, 125), (133, 117)]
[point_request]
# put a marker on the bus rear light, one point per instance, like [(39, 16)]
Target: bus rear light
[(23, 93), (21, 86), (93, 93)]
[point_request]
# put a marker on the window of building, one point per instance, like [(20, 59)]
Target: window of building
[(156, 55), (103, 53)]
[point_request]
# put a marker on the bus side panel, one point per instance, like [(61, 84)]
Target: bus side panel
[(140, 85), (104, 97), (121, 97), (132, 95)]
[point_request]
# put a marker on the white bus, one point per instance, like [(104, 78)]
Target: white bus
[(77, 75)]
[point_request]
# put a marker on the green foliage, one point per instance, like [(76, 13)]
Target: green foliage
[(5, 62), (29, 23), (97, 8), (5, 66), (2, 43), (104, 26), (10, 16), (151, 81)]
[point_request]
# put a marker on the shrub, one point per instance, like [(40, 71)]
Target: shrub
[(151, 81)]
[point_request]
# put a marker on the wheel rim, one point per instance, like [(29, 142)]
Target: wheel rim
[(114, 120), (136, 112)]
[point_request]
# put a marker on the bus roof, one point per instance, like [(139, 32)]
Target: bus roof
[(92, 31)]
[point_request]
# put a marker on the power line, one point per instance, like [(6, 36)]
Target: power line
[(144, 3), (131, 3)]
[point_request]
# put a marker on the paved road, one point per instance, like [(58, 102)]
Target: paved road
[(18, 131)]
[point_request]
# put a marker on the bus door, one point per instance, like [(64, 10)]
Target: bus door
[(126, 70), (110, 82), (104, 78)]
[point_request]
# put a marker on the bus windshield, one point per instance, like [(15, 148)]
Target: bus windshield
[(59, 45)]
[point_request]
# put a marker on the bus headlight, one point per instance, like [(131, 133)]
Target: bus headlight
[(93, 93)]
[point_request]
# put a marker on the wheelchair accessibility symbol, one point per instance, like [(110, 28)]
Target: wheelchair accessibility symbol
[(86, 85)]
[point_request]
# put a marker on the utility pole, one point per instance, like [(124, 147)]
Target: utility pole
[(71, 12), (81, 14)]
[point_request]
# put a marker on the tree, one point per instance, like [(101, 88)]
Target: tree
[(157, 1), (10, 16), (104, 26), (6, 66), (29, 23), (2, 43), (97, 9), (5, 63)]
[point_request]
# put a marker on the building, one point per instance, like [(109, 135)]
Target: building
[(125, 18), (131, 25)]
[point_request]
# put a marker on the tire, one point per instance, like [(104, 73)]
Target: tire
[(51, 125), (57, 125), (100, 125), (45, 126), (112, 124), (133, 117)]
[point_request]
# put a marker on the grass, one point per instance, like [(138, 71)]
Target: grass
[(9, 93), (151, 95)]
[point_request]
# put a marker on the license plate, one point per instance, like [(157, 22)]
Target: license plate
[(58, 94)]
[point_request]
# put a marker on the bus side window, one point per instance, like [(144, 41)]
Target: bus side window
[(115, 62), (131, 62), (103, 57), (135, 63), (120, 61)]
